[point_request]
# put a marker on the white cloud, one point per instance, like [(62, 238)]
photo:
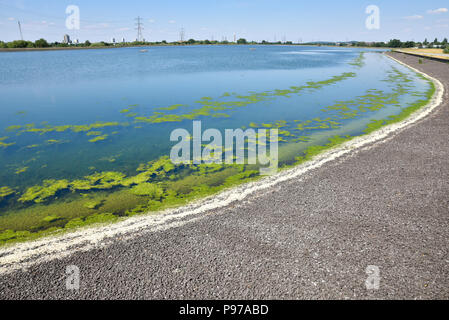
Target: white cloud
[(436, 11), (414, 17), (11, 19), (427, 28), (151, 21), (172, 21), (123, 29)]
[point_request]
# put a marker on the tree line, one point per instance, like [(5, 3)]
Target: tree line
[(394, 43), (42, 43)]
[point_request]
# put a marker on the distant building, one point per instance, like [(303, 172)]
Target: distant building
[(123, 40), (67, 39), (113, 40), (77, 41)]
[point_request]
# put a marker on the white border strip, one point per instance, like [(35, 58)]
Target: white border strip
[(24, 255)]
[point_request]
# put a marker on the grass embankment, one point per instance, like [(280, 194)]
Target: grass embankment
[(427, 53)]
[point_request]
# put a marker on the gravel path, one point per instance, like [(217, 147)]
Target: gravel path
[(313, 238)]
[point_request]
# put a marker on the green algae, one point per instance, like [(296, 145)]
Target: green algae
[(6, 145), (99, 138), (93, 204), (148, 190), (110, 159), (39, 194), (5, 192), (210, 107), (359, 61), (51, 219), (13, 128), (154, 197), (94, 133), (92, 219), (98, 181), (21, 170), (30, 128), (3, 144), (54, 141), (221, 115), (171, 108)]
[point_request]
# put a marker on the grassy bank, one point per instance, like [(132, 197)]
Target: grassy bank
[(426, 53)]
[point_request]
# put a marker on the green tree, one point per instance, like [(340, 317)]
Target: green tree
[(87, 43), (3, 45), (444, 42), (19, 44), (379, 44), (408, 44), (395, 43), (191, 41), (242, 41), (435, 42), (425, 42), (41, 43)]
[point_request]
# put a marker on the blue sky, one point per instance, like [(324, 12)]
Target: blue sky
[(203, 19)]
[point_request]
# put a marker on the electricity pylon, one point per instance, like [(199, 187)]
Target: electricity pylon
[(182, 35), (139, 28)]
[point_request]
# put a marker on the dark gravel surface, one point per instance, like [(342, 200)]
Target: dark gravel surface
[(312, 239)]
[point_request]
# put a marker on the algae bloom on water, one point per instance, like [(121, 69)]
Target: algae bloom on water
[(99, 152)]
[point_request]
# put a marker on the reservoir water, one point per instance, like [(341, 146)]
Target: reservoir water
[(84, 134)]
